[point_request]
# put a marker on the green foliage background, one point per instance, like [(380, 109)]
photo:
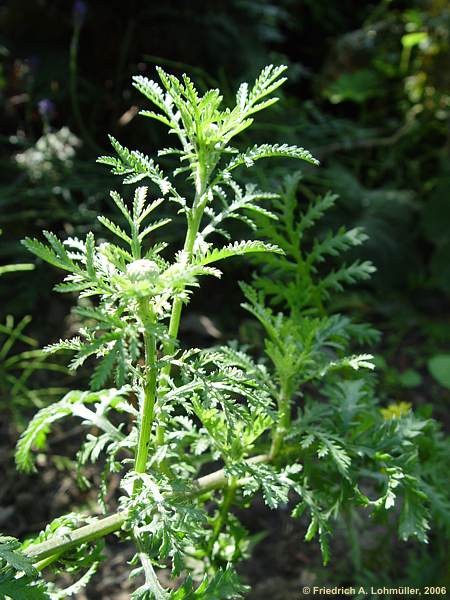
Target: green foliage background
[(368, 93)]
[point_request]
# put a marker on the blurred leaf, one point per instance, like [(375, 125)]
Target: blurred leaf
[(409, 378), (436, 212), (357, 87), (439, 367), (413, 39), (440, 266)]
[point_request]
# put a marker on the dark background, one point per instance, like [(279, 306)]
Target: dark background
[(368, 94)]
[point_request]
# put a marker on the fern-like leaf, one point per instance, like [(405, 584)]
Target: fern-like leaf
[(250, 156), (236, 249), (35, 435)]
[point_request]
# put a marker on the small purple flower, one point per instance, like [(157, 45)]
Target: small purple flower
[(79, 12), (32, 63), (46, 109)]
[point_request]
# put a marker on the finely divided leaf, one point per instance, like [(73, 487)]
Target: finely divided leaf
[(236, 249)]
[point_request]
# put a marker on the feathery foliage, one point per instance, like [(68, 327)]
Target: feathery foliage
[(181, 411)]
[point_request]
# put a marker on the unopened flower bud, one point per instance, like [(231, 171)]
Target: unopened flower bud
[(142, 270)]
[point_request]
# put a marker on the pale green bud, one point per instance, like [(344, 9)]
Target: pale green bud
[(142, 270)]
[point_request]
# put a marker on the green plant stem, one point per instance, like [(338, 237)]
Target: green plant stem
[(223, 513), (59, 544), (191, 235), (353, 538), (46, 562), (148, 404), (284, 419), (177, 306), (16, 267), (193, 224)]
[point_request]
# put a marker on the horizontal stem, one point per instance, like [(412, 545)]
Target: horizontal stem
[(87, 533), (219, 478), (102, 527)]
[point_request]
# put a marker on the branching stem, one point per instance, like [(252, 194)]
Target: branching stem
[(59, 544)]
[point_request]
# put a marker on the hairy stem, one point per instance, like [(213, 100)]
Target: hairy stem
[(174, 325), (148, 404), (59, 544), (194, 220), (189, 242)]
